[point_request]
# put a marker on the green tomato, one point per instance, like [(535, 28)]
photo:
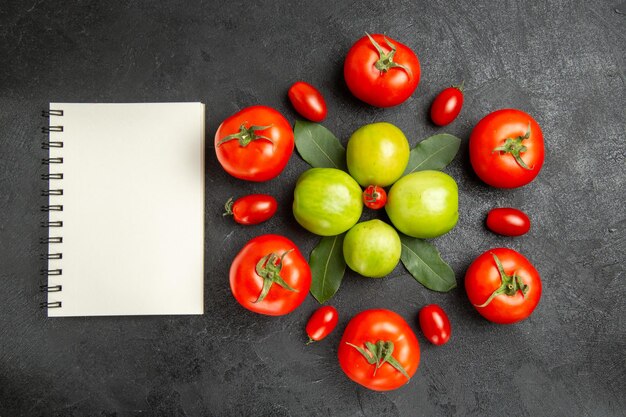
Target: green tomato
[(377, 154), (424, 204), (327, 201), (372, 248)]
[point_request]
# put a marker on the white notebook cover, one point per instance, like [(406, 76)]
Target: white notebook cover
[(133, 209)]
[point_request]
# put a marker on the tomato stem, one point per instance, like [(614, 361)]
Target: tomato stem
[(228, 207), (379, 353), (310, 341), (246, 135), (269, 268), (514, 146), (510, 285), (385, 59), (460, 86)]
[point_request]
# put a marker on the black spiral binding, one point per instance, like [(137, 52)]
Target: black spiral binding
[(51, 225)]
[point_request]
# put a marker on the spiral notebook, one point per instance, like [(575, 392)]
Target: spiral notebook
[(125, 188)]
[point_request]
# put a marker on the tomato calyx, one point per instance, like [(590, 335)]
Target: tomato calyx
[(460, 86), (511, 284), (385, 61), (246, 135), (269, 268), (379, 353), (514, 146)]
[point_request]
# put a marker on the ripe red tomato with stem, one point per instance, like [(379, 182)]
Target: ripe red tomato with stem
[(270, 276), (251, 209), (447, 105), (322, 323), (379, 350), (381, 71), (374, 197), (308, 101), (508, 221), (254, 144), (507, 149), (435, 324), (503, 286)]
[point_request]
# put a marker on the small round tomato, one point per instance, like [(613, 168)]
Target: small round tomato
[(424, 204), (379, 350), (507, 149), (435, 324), (372, 248), (374, 197), (381, 71), (508, 221), (270, 276), (307, 101), (322, 323), (254, 144), (447, 105), (377, 153), (503, 286), (327, 201), (251, 209)]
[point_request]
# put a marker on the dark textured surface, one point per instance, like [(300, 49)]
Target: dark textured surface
[(562, 62)]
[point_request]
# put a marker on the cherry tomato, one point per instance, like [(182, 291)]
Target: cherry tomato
[(308, 101), (254, 144), (374, 197), (379, 350), (508, 221), (503, 286), (270, 276), (322, 323), (251, 209), (447, 105), (435, 324), (381, 71), (506, 148)]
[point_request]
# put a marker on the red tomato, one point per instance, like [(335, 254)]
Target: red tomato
[(307, 101), (254, 144), (435, 324), (381, 71), (503, 286), (508, 221), (374, 197), (270, 276), (447, 105), (506, 148), (322, 323), (379, 350), (251, 209)]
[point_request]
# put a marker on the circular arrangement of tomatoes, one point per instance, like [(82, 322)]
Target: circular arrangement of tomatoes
[(381, 71), (322, 323), (503, 286), (270, 276), (379, 350), (254, 144), (506, 148), (374, 197), (307, 101), (251, 209), (435, 324), (447, 105), (508, 221)]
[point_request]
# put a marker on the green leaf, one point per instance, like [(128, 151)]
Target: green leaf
[(318, 146), (327, 267), (424, 262), (434, 152)]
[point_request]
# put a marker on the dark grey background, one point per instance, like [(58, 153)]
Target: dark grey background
[(561, 61)]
